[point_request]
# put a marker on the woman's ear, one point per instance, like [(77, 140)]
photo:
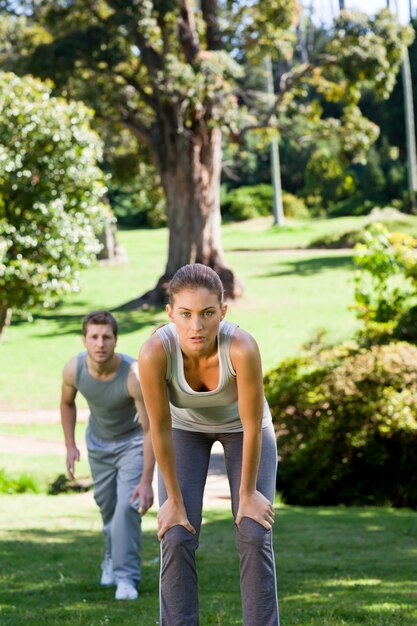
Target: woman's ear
[(224, 311), (168, 309)]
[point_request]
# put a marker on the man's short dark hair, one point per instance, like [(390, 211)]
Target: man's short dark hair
[(99, 317)]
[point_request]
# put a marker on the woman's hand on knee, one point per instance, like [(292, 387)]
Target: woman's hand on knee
[(172, 514), (258, 508)]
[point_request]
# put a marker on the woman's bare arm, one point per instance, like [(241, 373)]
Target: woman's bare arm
[(152, 370)]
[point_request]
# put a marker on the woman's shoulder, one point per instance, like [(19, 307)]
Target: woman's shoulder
[(152, 349), (243, 344)]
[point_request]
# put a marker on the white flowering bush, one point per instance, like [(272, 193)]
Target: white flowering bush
[(51, 191)]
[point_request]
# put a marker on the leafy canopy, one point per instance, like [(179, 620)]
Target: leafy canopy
[(50, 193)]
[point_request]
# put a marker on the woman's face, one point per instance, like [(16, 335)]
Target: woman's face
[(196, 314)]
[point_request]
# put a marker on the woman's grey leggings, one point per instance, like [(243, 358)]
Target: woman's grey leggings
[(178, 593)]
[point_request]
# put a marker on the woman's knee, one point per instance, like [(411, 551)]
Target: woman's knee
[(178, 539), (251, 534)]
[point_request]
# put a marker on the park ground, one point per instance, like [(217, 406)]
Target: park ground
[(337, 566)]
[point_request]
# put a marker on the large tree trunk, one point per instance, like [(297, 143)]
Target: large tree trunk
[(191, 180), (5, 318), (189, 164)]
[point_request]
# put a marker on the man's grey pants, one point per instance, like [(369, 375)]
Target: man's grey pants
[(116, 468), (179, 599)]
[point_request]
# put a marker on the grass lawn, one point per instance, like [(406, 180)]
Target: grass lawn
[(288, 295), (38, 451), (336, 566)]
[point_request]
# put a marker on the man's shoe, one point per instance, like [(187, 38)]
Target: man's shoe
[(126, 591), (107, 574)]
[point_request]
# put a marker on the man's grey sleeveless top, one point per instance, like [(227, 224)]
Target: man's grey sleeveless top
[(204, 411), (113, 412)]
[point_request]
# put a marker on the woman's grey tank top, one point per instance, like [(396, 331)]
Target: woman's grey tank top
[(113, 412), (204, 411)]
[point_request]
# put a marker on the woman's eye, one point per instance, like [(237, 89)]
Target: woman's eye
[(209, 313), (185, 314)]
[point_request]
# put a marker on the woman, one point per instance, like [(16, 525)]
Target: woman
[(201, 380)]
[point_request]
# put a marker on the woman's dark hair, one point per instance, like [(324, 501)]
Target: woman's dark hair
[(99, 317), (194, 276)]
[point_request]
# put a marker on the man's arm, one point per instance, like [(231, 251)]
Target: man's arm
[(69, 414), (144, 489)]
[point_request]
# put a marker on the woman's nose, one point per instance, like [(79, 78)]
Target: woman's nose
[(197, 322)]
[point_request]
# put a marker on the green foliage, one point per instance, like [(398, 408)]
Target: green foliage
[(347, 239), (24, 483), (369, 47), (405, 327), (386, 278), (267, 28), (354, 205), (361, 55), (136, 197), (347, 425), (327, 179), (50, 193), (294, 207), (94, 54), (248, 202)]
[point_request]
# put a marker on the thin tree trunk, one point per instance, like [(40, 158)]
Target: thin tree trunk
[(5, 318), (409, 130), (409, 125)]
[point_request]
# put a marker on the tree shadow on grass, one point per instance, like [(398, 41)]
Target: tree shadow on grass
[(307, 267), (69, 324), (335, 566), (51, 578), (351, 565)]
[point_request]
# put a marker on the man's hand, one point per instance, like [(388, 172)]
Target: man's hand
[(144, 492), (73, 454)]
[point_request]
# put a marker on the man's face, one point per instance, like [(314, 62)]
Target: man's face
[(100, 342)]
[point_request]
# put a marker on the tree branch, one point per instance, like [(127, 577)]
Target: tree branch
[(288, 80), (129, 121), (213, 33), (131, 80), (187, 31)]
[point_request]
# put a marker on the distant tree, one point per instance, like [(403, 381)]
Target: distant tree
[(172, 72), (50, 194)]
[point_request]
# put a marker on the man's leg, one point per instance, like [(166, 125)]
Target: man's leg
[(254, 542), (126, 522), (104, 475), (178, 583)]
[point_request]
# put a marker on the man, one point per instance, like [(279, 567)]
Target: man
[(118, 442)]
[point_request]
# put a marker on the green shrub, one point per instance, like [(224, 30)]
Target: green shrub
[(406, 326), (346, 419), (327, 178), (245, 203), (338, 240), (354, 205), (248, 202), (24, 483), (138, 203), (385, 283), (294, 206)]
